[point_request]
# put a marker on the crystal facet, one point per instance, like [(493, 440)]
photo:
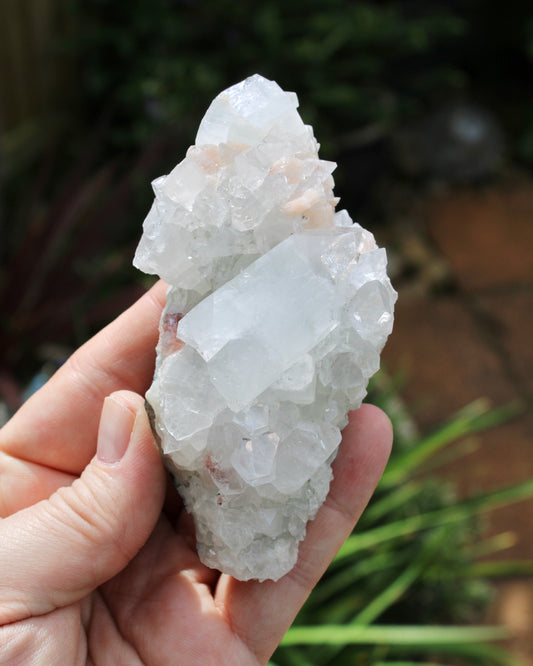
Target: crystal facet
[(276, 313)]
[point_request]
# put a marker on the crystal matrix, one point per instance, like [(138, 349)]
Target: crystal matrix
[(276, 313)]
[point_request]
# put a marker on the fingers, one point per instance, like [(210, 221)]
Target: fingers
[(57, 551), (25, 483), (57, 426), (260, 613)]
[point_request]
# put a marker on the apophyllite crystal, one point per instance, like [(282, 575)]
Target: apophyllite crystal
[(276, 313)]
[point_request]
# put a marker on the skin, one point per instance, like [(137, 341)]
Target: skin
[(97, 563)]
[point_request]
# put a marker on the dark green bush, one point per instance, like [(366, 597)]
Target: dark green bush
[(351, 63)]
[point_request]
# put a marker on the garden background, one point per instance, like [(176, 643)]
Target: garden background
[(428, 110)]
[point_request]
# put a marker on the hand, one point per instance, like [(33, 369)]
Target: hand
[(96, 566)]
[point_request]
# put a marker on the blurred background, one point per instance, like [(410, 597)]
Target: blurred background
[(428, 110)]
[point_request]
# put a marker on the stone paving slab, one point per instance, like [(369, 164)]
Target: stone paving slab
[(436, 342), (449, 363), (515, 610), (486, 234), (478, 341), (511, 316)]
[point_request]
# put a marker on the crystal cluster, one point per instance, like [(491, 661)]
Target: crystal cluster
[(276, 313)]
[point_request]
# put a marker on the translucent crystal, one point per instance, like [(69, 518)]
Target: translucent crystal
[(276, 313)]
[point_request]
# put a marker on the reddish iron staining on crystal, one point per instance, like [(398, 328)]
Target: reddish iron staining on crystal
[(214, 469), (168, 341)]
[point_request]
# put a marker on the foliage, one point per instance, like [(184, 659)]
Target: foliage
[(66, 254), (526, 138), (146, 74), (351, 63), (412, 573)]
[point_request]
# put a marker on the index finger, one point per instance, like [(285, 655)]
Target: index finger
[(57, 426)]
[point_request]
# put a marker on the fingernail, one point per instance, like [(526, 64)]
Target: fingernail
[(114, 432)]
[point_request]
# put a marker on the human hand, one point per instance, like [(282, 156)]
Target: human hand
[(96, 566)]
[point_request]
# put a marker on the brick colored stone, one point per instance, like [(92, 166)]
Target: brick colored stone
[(513, 607), (486, 234), (511, 315), (448, 365), (478, 343), (436, 342)]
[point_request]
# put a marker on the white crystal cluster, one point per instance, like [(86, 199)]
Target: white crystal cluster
[(276, 313)]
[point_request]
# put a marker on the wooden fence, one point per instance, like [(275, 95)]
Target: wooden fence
[(34, 71)]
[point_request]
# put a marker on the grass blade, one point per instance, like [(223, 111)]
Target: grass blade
[(506, 569), (340, 580), (492, 545), (403, 582), (419, 636), (472, 418), (391, 501), (407, 663), (461, 511)]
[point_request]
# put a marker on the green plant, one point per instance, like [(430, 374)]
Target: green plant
[(65, 259), (408, 585), (352, 64)]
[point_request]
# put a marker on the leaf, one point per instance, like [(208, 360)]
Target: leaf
[(427, 636), (459, 512), (473, 418)]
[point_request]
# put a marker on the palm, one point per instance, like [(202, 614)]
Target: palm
[(158, 611), (148, 614), (162, 605)]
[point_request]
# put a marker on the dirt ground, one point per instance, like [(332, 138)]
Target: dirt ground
[(464, 330)]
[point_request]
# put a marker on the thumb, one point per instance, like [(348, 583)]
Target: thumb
[(59, 550)]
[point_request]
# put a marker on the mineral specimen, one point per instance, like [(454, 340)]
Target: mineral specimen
[(276, 313)]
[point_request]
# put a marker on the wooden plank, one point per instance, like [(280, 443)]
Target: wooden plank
[(32, 77)]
